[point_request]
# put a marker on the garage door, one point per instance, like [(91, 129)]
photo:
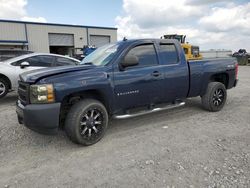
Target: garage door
[(98, 41), (56, 39)]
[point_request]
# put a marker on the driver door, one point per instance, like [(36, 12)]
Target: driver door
[(139, 85)]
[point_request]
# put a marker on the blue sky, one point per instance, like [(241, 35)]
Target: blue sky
[(92, 12)]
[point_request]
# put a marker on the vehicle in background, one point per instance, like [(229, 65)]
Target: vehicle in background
[(88, 50), (242, 56), (9, 53), (11, 68), (241, 52), (120, 80), (81, 53), (191, 52), (77, 53)]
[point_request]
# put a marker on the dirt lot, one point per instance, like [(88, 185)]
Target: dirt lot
[(185, 147)]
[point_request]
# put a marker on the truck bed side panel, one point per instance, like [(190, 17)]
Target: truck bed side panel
[(202, 71)]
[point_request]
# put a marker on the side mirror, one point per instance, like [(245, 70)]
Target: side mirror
[(129, 61), (24, 64)]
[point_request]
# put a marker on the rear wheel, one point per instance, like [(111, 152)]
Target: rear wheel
[(215, 97), (4, 87), (86, 122)]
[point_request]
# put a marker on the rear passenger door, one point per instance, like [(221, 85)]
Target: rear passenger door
[(176, 73)]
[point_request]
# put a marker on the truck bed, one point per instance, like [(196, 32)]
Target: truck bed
[(202, 70)]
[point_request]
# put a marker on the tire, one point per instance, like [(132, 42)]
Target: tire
[(215, 97), (4, 87), (86, 122)]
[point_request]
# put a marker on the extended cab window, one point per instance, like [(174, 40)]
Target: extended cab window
[(169, 54), (146, 55)]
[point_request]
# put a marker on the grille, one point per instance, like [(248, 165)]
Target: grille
[(23, 93)]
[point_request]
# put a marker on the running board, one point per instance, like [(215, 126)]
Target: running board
[(125, 116)]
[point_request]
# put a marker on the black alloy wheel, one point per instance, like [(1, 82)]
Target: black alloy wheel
[(215, 97), (86, 122), (218, 97), (91, 124)]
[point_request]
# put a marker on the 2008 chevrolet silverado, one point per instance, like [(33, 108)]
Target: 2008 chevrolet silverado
[(121, 80)]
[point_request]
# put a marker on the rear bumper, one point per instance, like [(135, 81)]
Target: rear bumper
[(41, 118)]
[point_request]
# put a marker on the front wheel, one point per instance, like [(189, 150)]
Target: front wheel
[(86, 122), (215, 97)]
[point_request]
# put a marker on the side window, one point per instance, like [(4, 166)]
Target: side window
[(185, 50), (46, 61), (60, 61), (146, 55), (37, 61), (169, 54), (195, 51), (33, 61), (17, 63)]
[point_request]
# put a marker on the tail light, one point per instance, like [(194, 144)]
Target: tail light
[(236, 70)]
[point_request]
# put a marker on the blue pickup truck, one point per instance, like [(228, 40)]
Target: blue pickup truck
[(121, 80)]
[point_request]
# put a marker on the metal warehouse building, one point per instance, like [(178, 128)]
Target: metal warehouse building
[(52, 38)]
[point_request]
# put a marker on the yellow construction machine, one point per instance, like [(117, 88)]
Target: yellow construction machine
[(192, 52)]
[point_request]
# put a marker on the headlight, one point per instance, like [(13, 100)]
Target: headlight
[(42, 94)]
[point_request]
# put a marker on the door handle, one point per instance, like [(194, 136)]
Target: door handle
[(156, 74)]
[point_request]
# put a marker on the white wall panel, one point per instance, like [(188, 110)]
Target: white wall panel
[(12, 31)]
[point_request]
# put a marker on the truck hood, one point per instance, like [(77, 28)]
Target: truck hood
[(35, 75)]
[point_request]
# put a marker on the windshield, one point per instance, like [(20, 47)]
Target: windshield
[(101, 56)]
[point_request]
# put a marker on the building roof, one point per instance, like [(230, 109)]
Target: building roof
[(56, 24)]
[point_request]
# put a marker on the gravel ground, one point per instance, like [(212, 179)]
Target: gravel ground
[(185, 147)]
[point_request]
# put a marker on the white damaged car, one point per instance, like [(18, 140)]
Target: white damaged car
[(11, 68)]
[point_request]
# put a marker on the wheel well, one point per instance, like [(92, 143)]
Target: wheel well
[(222, 78), (73, 98), (7, 79)]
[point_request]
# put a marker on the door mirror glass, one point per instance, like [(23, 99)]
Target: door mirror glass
[(24, 64), (130, 60)]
